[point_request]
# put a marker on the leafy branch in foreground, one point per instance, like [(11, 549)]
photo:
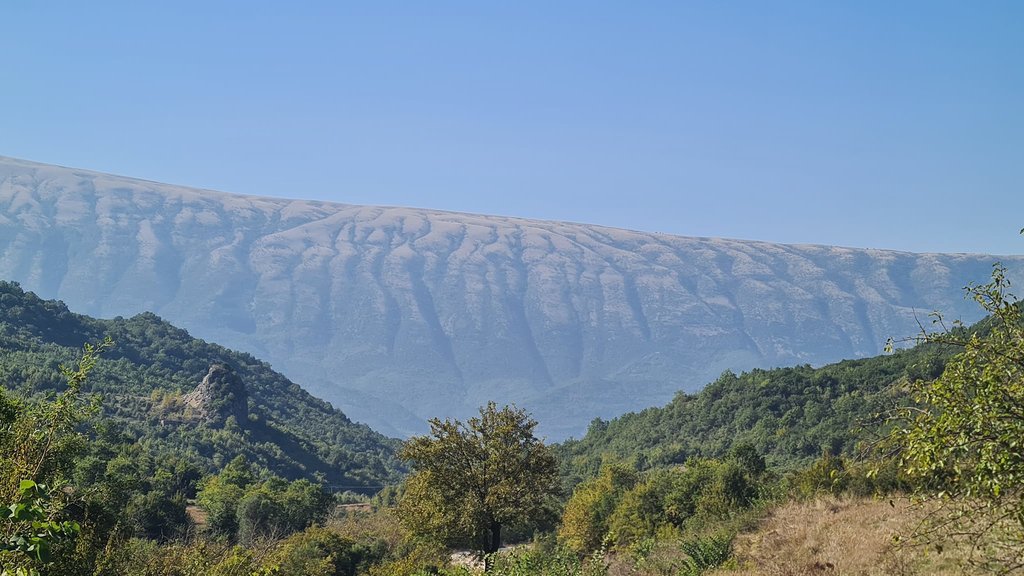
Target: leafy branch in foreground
[(38, 444), (31, 510), (962, 438)]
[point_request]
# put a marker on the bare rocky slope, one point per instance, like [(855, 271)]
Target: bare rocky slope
[(395, 315)]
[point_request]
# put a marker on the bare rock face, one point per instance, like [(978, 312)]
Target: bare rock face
[(221, 394), (396, 315)]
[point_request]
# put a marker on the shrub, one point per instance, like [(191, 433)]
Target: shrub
[(706, 553)]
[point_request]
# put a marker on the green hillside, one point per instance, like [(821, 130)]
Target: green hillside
[(791, 415), (144, 378)]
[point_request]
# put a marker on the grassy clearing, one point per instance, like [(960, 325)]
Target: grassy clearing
[(840, 536)]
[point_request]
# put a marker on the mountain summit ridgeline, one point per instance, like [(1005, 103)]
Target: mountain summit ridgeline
[(397, 314)]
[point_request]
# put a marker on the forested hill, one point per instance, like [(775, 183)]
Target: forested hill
[(792, 415), (145, 380)]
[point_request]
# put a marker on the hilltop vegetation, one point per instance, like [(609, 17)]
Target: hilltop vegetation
[(791, 415), (99, 463), (145, 375)]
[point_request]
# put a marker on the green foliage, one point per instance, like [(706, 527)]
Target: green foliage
[(630, 512), (35, 532), (220, 494), (319, 552), (827, 475), (40, 439), (706, 553), (470, 480), (38, 443), (640, 511), (963, 437), (839, 475), (420, 558), (143, 557), (585, 521), (145, 374), (120, 474), (128, 492), (558, 562), (247, 510), (789, 416)]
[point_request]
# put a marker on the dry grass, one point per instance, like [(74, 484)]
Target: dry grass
[(834, 537), (197, 515)]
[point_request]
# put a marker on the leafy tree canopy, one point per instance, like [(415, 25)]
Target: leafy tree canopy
[(470, 480)]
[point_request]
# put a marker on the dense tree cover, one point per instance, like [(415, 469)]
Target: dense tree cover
[(97, 473), (791, 415), (152, 364), (246, 509), (472, 480), (78, 494), (585, 521)]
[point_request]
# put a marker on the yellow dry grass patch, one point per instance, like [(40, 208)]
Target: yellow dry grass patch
[(839, 536)]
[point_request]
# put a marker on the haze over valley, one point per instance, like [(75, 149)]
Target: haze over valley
[(396, 315)]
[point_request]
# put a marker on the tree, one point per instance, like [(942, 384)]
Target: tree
[(219, 496), (470, 480), (38, 445), (318, 550), (585, 522), (240, 507), (963, 438)]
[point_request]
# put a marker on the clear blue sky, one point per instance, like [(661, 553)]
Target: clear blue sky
[(872, 124)]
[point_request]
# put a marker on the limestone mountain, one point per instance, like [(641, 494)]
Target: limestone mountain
[(397, 314)]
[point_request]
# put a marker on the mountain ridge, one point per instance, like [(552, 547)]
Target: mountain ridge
[(399, 314), (9, 160)]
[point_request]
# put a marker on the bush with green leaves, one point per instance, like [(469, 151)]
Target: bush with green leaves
[(245, 509), (320, 552), (706, 553), (585, 521), (558, 562), (962, 438), (621, 508)]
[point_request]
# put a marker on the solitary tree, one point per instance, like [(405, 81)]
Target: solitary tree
[(470, 480)]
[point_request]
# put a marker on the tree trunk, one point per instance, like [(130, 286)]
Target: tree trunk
[(492, 546)]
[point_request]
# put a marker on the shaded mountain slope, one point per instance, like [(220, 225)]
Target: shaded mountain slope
[(396, 314), (154, 367)]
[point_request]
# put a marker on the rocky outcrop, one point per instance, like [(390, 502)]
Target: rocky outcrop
[(396, 315), (219, 396)]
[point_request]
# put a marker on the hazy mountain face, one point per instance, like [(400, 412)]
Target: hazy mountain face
[(396, 315)]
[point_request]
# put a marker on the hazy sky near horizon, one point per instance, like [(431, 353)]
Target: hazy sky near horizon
[(868, 124)]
